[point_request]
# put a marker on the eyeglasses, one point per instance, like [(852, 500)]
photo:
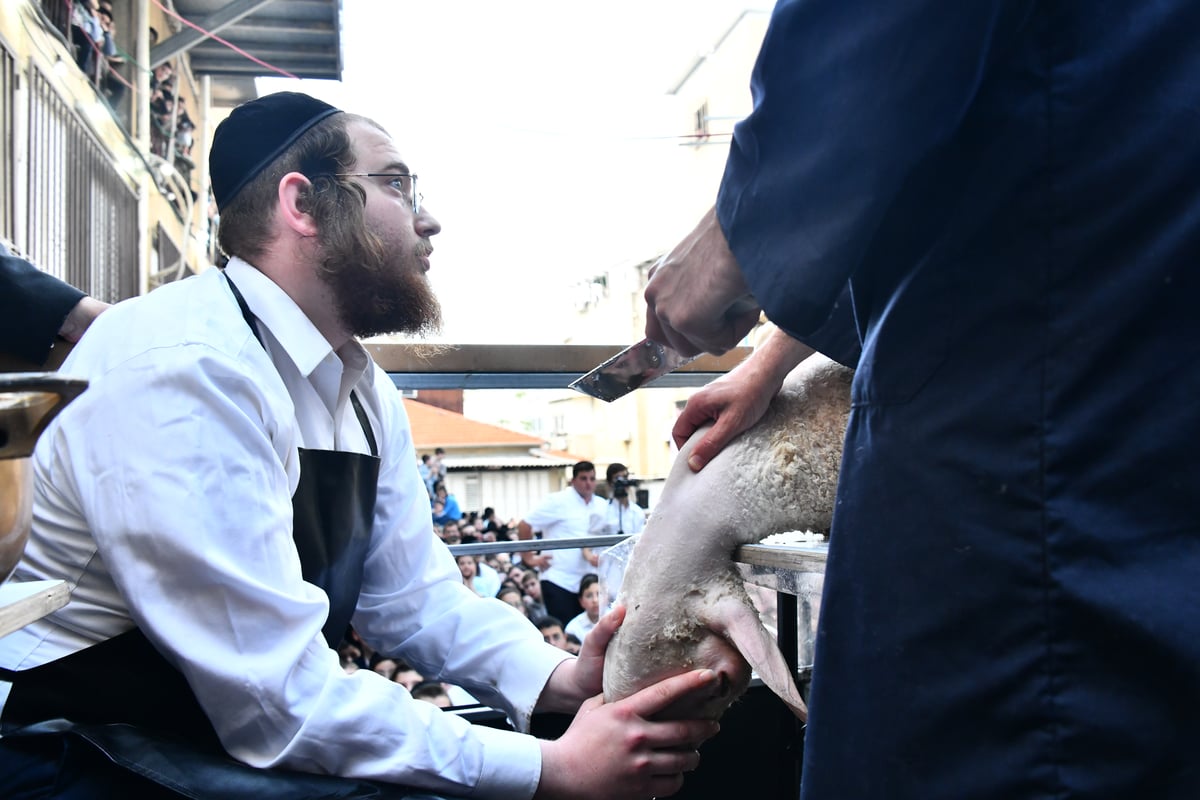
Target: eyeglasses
[(403, 182)]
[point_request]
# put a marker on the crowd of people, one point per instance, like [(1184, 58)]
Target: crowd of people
[(92, 37), (524, 579), (172, 130), (511, 583), (516, 578), (170, 125), (355, 654)]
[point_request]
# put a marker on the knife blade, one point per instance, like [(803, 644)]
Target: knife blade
[(634, 366), (642, 363)]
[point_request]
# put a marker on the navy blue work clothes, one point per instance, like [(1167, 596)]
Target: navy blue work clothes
[(33, 306), (1011, 190)]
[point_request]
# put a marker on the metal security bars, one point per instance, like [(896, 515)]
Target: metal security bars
[(82, 216), (8, 155)]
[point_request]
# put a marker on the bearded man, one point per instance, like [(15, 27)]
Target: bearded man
[(238, 485)]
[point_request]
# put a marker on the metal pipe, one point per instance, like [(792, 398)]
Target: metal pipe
[(530, 545), (141, 105)]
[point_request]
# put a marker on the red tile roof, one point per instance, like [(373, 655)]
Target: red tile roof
[(435, 427)]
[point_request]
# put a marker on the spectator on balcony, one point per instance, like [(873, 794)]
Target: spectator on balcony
[(169, 120), (162, 109), (111, 83), (164, 73), (183, 137), (162, 103), (222, 517), (91, 41)]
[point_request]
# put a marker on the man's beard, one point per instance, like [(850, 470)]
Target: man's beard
[(380, 291)]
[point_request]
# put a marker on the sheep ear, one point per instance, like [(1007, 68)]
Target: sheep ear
[(740, 624)]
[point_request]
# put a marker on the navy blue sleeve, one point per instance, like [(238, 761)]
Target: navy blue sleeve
[(838, 338), (33, 305), (849, 97)]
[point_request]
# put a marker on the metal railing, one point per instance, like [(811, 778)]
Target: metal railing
[(531, 545), (8, 157), (82, 216)]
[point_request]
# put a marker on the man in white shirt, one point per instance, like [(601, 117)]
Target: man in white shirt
[(238, 483), (570, 513), (622, 516)]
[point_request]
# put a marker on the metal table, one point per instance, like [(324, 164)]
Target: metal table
[(796, 573)]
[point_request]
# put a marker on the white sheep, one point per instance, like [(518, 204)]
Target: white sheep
[(686, 604)]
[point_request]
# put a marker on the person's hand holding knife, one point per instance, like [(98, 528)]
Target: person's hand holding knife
[(697, 300)]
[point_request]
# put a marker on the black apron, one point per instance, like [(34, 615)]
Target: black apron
[(124, 698)]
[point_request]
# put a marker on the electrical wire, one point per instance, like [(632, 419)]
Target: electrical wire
[(230, 45)]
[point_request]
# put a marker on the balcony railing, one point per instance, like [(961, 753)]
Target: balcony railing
[(82, 215)]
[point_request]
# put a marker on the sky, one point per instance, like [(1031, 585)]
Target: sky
[(543, 134)]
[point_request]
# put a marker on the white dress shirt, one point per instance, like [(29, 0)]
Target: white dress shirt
[(628, 519), (487, 580), (563, 515), (580, 626), (163, 496)]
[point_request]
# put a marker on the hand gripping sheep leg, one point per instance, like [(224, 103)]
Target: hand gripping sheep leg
[(686, 604)]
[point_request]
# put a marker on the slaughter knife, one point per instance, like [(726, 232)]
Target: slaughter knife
[(639, 364), (634, 366)]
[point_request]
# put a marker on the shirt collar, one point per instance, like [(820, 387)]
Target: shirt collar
[(287, 323)]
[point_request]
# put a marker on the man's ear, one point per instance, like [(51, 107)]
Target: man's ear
[(294, 189)]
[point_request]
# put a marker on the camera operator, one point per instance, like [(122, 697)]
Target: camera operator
[(622, 516)]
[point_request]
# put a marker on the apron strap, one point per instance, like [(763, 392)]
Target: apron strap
[(251, 319), (365, 423)]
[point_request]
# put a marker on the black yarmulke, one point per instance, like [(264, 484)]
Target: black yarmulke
[(255, 134)]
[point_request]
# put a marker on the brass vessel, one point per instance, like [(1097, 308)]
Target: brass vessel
[(28, 401)]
